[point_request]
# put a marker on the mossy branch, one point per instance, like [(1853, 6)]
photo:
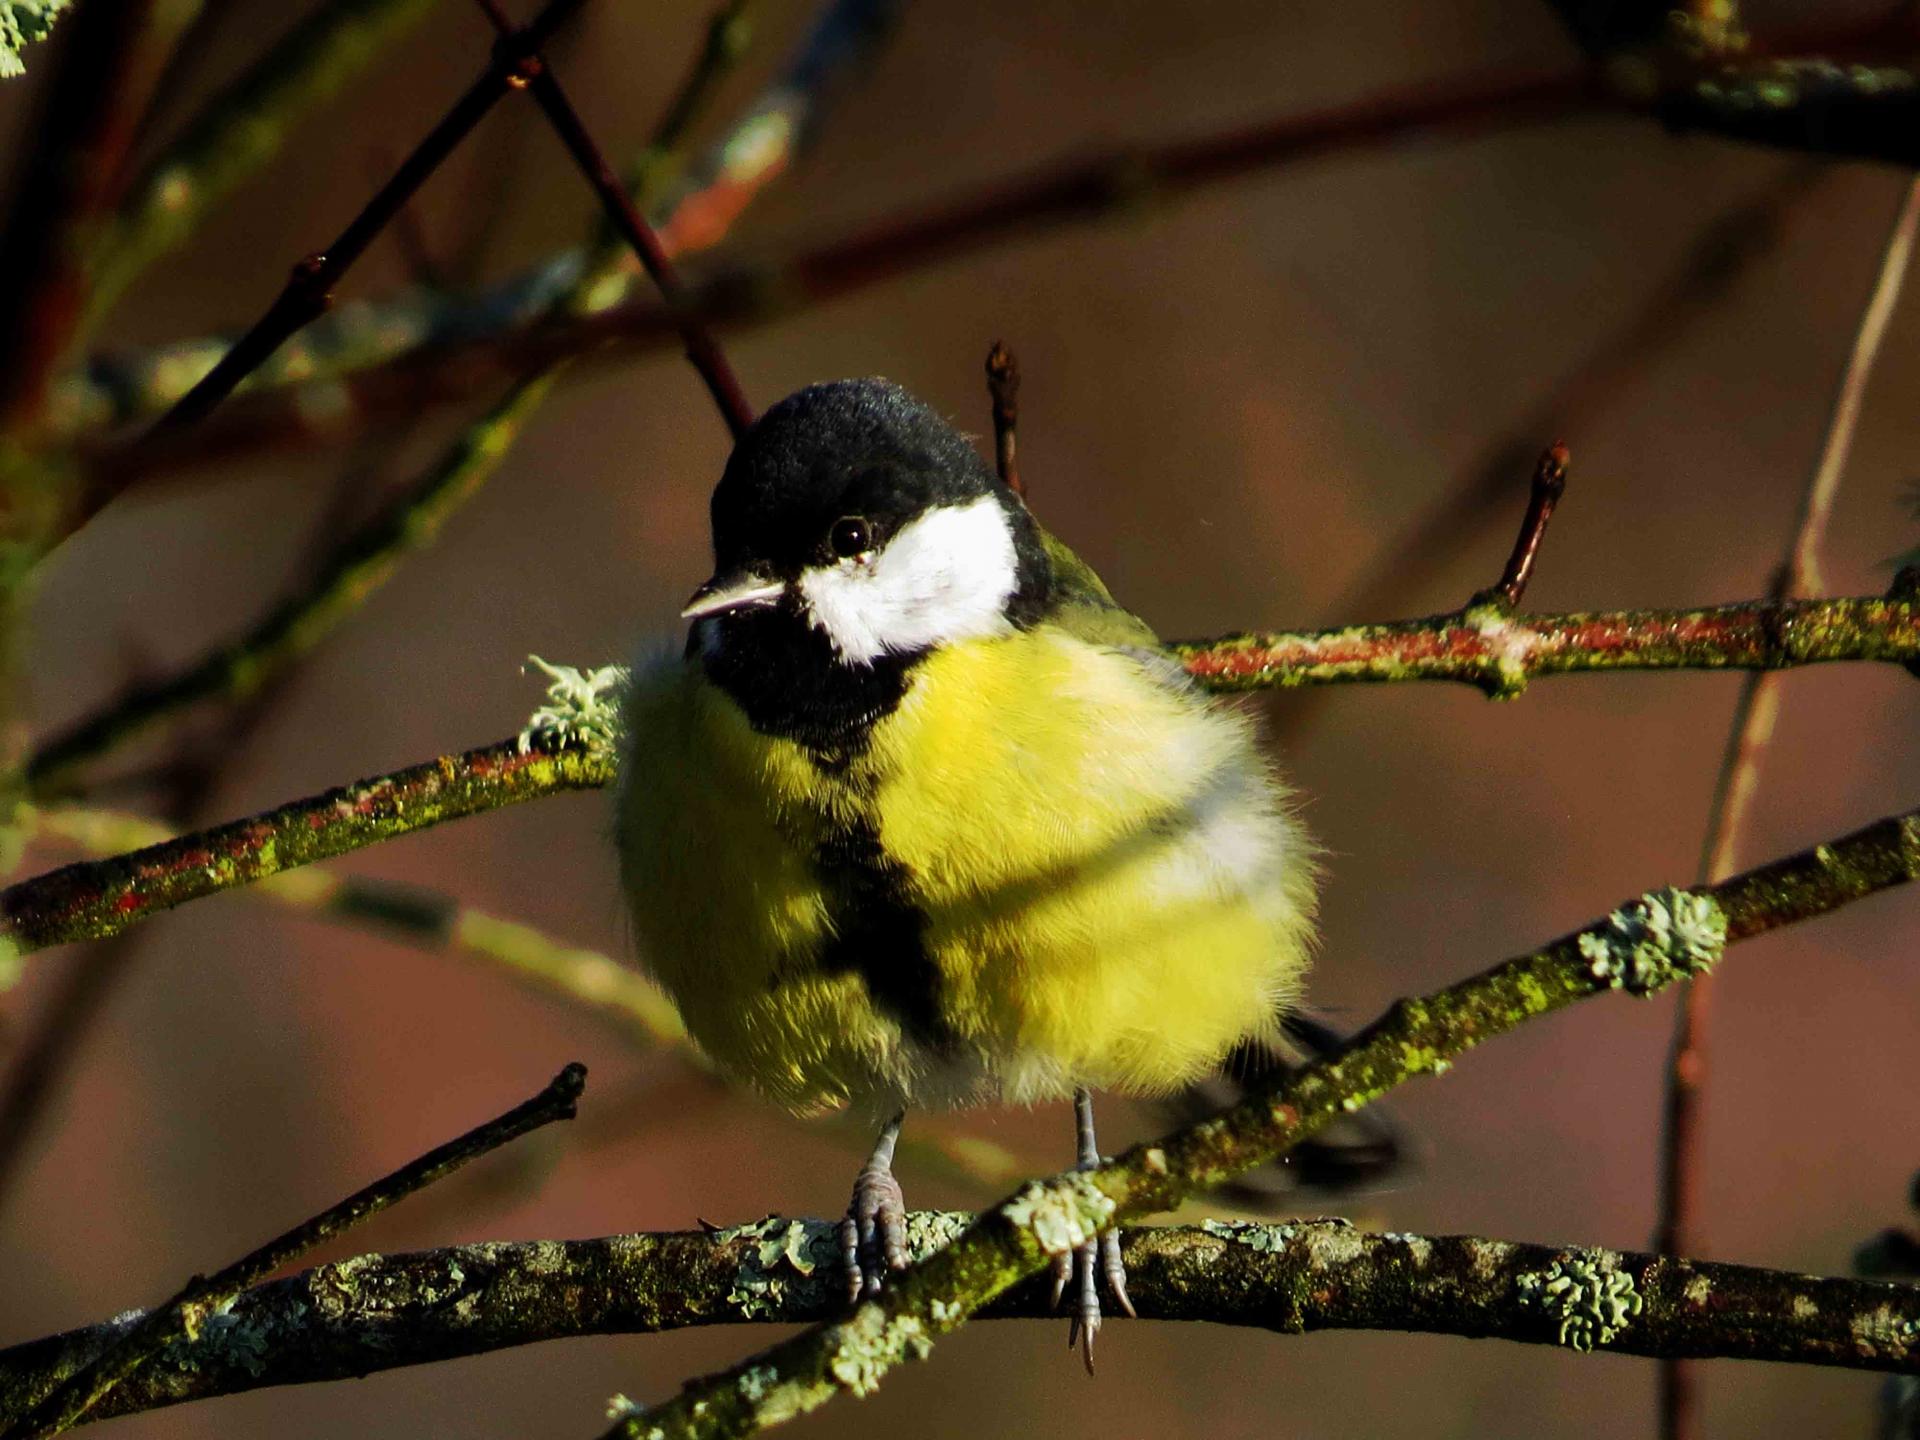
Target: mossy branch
[(1641, 947), (1484, 646), (58, 1402), (1498, 651), (383, 1312), (93, 899)]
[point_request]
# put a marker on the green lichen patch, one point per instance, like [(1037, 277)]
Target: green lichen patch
[(781, 1255), (582, 709), (1589, 1300), (22, 22), (931, 1230), (1268, 1239), (1063, 1213), (871, 1344), (1664, 936)]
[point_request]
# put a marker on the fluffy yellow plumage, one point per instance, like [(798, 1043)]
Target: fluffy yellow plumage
[(1113, 890)]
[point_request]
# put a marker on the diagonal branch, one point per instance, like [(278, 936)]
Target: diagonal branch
[(1483, 646), (381, 1312), (309, 291), (703, 353), (94, 899), (48, 1410), (371, 555), (238, 132), (1642, 947)]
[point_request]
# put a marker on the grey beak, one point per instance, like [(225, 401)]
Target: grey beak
[(732, 592)]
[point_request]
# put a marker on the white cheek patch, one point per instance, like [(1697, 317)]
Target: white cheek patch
[(944, 577)]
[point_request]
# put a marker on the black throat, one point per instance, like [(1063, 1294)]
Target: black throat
[(784, 674)]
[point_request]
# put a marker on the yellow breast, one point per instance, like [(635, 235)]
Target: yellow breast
[(1112, 890)]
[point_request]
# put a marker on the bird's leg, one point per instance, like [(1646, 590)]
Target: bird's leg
[(873, 1237), (1103, 1253)]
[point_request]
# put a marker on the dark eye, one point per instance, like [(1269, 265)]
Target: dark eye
[(850, 536)]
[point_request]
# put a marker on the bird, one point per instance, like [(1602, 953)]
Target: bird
[(921, 817)]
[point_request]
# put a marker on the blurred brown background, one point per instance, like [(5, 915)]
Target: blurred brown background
[(1234, 405)]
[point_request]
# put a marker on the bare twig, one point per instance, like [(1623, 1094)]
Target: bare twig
[(1643, 946), (1748, 736), (703, 353), (447, 355), (309, 291), (758, 147), (237, 132), (370, 556), (1549, 484), (380, 1312), (1406, 569), (1003, 387), (1486, 647), (185, 1316)]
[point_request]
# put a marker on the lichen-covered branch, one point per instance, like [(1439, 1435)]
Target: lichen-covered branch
[(1498, 651), (96, 898), (23, 23), (1641, 947), (58, 1402), (382, 1312), (1484, 646)]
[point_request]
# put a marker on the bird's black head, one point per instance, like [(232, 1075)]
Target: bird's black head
[(854, 532), (857, 508)]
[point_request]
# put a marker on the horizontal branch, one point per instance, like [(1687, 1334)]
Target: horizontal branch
[(1483, 646), (1498, 651), (1644, 946), (384, 1312)]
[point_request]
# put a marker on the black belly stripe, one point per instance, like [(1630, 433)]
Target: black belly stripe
[(782, 674), (880, 935)]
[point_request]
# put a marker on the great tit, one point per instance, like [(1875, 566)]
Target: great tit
[(922, 817)]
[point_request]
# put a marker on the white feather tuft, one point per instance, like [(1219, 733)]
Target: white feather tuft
[(945, 576)]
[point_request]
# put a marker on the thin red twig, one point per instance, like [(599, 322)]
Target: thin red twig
[(1748, 737), (703, 352), (309, 291), (1549, 484), (1003, 387)]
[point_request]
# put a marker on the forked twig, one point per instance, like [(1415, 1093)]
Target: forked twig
[(703, 353), (309, 291)]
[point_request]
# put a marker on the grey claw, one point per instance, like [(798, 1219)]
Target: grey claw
[(873, 1237), (1086, 1322), (1116, 1271), (1062, 1272)]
